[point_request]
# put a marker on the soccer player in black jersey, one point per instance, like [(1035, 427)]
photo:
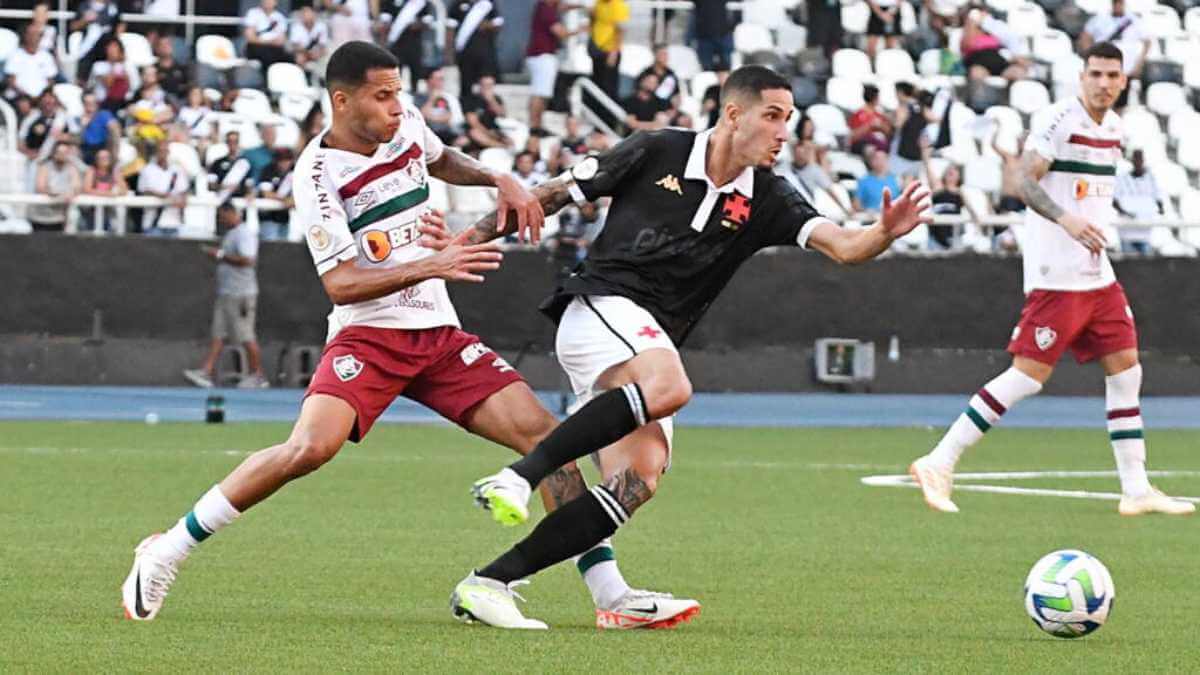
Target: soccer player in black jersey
[(687, 210)]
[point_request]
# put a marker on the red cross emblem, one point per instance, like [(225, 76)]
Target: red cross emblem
[(649, 332), (736, 209)]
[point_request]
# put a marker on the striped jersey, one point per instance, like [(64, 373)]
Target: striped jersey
[(1082, 180), (367, 209)]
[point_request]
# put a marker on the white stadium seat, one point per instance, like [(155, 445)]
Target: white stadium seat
[(1005, 6), (791, 38), (1141, 128), (185, 155), (71, 97), (214, 152), (1140, 6), (985, 173), (137, 49), (1007, 119), (1164, 98), (1183, 123), (287, 131), (288, 78), (855, 16), (908, 18), (1181, 48), (844, 162), (1028, 96), (635, 58), (751, 37), (1191, 21), (684, 62), (845, 93), (1161, 22), (930, 62), (1027, 19), (1094, 7), (851, 63), (1172, 179), (894, 64), (296, 106), (252, 104), (1189, 203), (9, 41), (1066, 69), (769, 13), (827, 119), (1188, 150), (701, 82), (217, 51), (1052, 45)]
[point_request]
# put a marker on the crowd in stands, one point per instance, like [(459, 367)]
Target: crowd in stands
[(889, 91)]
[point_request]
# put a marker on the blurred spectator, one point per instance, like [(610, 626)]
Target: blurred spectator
[(44, 126), (871, 186), (260, 157), (1012, 176), (406, 36), (350, 20), (947, 200), (597, 142), (237, 300), (196, 116), (1127, 32), (807, 174), (982, 39), (475, 23), (825, 25), (312, 126), (28, 70), (482, 109), (914, 114), (153, 97), (48, 42), (608, 29), (101, 129), (230, 175), (806, 129), (568, 245), (166, 180), (1138, 197), (524, 169), (103, 180), (265, 30), (308, 38), (644, 110), (574, 139), (668, 81), (558, 160), (112, 79), (276, 183), (442, 110), (870, 125), (884, 22), (714, 34), (546, 33), (97, 19), (56, 177), (711, 105), (172, 75), (681, 120)]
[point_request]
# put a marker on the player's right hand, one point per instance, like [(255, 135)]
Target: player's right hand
[(1084, 231), (460, 261)]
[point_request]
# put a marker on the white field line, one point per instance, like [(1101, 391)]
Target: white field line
[(904, 480)]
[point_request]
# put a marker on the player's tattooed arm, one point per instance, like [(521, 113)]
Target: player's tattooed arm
[(630, 490), (1033, 167), (456, 168), (564, 485), (553, 195)]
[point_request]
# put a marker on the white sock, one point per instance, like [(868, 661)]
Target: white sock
[(601, 574), (1121, 392), (983, 411), (210, 514)]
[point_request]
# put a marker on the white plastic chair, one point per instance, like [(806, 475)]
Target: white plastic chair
[(846, 163), (1183, 123), (186, 156), (894, 64), (769, 13), (1028, 96), (851, 63), (684, 62), (1052, 45), (1164, 98), (71, 97), (1188, 150), (253, 104), (701, 82), (751, 37), (287, 131), (985, 173), (791, 38), (9, 42), (1142, 128), (827, 119), (214, 152), (1027, 19), (1189, 203), (845, 93), (1066, 68), (217, 51), (1172, 179), (1181, 48), (635, 58), (855, 16), (137, 49), (930, 62), (1007, 119), (1161, 22), (1191, 21), (295, 106), (287, 78)]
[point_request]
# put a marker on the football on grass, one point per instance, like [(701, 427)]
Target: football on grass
[(1069, 594)]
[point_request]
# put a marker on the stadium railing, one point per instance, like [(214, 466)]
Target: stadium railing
[(200, 212)]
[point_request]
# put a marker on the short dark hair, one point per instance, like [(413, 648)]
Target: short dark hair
[(753, 81), (1104, 50), (870, 93), (226, 206), (349, 64)]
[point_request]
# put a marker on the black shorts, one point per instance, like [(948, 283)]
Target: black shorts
[(876, 26), (991, 59)]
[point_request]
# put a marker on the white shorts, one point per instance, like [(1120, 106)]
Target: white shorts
[(598, 332), (543, 70)]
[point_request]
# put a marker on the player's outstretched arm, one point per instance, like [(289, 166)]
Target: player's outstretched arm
[(1033, 167), (898, 218), (456, 168), (552, 195)]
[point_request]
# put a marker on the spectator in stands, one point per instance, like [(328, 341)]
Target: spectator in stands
[(568, 245), (525, 169), (598, 141), (714, 34), (308, 38), (711, 105), (350, 20), (98, 20), (1012, 176), (681, 120), (44, 126), (475, 23), (1128, 33), (482, 108), (230, 175), (172, 75), (313, 124), (265, 30), (28, 70), (546, 33), (668, 90), (57, 177), (276, 183), (825, 25), (558, 159), (806, 128), (947, 200), (870, 125), (983, 37), (151, 96), (607, 35), (574, 140), (914, 114), (166, 180), (1138, 197), (809, 176), (103, 180), (112, 79), (237, 300), (260, 157), (884, 22), (441, 109), (406, 36), (196, 117), (48, 42), (871, 186), (100, 129), (644, 110)]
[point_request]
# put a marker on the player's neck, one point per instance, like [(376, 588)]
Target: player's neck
[(342, 139), (1097, 114), (721, 163)]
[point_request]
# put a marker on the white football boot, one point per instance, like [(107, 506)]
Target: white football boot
[(646, 609), (146, 586), (490, 602), (936, 481), (1154, 501), (506, 495)]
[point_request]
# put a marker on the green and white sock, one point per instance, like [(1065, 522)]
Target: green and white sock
[(1125, 429), (212, 512), (984, 410), (598, 565)]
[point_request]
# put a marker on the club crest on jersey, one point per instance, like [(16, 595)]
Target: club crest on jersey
[(670, 183), (377, 245), (736, 211), (416, 171), (347, 367), (1044, 336)]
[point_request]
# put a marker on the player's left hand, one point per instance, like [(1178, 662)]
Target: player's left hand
[(530, 216), (912, 208), (435, 234)]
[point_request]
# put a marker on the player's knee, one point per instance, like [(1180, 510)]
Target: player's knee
[(668, 395), (305, 454)]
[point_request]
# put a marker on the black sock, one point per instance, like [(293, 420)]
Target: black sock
[(567, 531), (605, 420)]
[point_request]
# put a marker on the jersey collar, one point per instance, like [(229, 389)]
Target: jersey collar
[(695, 170)]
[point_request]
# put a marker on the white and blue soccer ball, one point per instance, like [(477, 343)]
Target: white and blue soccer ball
[(1069, 594)]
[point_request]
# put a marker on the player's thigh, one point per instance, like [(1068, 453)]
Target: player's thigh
[(1110, 331), (462, 377), (1050, 322), (362, 367), (512, 417), (325, 422)]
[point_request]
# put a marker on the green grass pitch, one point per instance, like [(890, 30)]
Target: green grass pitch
[(799, 566)]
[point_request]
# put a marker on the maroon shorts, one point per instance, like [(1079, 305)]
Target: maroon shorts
[(1090, 323), (444, 368)]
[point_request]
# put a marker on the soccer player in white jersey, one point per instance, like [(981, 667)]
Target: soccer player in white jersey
[(361, 188), (1072, 297)]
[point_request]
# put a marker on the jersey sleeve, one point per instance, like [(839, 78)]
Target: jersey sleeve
[(1046, 132), (792, 218), (323, 218), (600, 176), (434, 147)]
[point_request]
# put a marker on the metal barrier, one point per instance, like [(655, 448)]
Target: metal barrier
[(200, 212)]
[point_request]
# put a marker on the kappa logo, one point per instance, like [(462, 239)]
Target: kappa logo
[(365, 199), (1044, 336), (347, 367), (670, 183)]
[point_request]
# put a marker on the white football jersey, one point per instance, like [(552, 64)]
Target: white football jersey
[(367, 209), (1082, 180)]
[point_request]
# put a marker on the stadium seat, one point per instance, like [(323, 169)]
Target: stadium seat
[(845, 93), (1140, 6), (1051, 45), (828, 120), (287, 78), (208, 77), (1027, 19), (985, 173), (217, 51), (1028, 96), (768, 13), (853, 64), (684, 62), (1180, 48), (295, 106), (983, 94), (813, 64), (1161, 71), (137, 49), (1164, 98), (496, 159), (1003, 6), (805, 92), (214, 152), (247, 129), (844, 163), (930, 62), (1187, 149), (287, 131), (1189, 204), (894, 64), (1008, 120), (908, 18), (71, 97), (1172, 179), (1094, 7), (855, 16), (1066, 69), (635, 58), (701, 82), (1142, 130), (751, 37), (791, 38), (9, 41), (1181, 123), (1161, 22), (249, 75), (185, 155), (252, 104), (1191, 21)]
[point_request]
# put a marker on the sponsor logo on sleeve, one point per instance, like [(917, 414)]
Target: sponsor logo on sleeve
[(319, 237)]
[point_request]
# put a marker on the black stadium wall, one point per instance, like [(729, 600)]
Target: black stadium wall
[(162, 291)]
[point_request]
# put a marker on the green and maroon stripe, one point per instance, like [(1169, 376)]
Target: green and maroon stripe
[(1080, 139), (992, 402), (1120, 413), (1126, 434), (1074, 166), (379, 170), (390, 207)]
